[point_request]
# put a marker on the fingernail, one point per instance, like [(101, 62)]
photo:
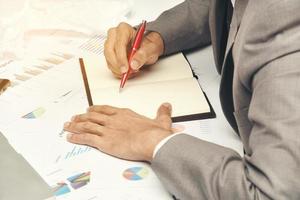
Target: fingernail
[(123, 69), (67, 124), (167, 105), (69, 136), (134, 65), (73, 118)]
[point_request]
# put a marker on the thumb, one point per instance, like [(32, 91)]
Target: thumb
[(163, 115), (143, 56), (148, 54)]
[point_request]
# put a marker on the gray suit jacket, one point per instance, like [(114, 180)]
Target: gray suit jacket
[(260, 97)]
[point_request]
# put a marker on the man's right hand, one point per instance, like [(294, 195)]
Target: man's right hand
[(118, 45)]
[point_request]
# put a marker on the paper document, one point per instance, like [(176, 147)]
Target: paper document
[(34, 114)]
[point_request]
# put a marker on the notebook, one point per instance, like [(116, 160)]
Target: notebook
[(171, 80)]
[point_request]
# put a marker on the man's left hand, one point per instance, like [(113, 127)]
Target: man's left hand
[(120, 132)]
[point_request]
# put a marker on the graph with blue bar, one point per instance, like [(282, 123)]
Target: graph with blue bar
[(61, 189), (76, 151)]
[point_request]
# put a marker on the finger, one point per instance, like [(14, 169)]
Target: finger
[(95, 117), (86, 139), (133, 74), (84, 128), (104, 109), (109, 52), (152, 47), (115, 71), (164, 115), (122, 43), (147, 54), (117, 74)]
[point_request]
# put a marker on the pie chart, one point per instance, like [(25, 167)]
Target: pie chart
[(35, 114), (135, 173)]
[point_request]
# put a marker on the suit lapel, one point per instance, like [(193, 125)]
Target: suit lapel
[(216, 24), (228, 65), (238, 12)]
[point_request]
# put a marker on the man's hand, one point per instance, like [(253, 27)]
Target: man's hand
[(120, 132), (118, 45)]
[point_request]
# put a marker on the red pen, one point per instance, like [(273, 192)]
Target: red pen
[(136, 45)]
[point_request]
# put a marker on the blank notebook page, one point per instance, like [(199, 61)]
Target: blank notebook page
[(170, 80), (170, 68)]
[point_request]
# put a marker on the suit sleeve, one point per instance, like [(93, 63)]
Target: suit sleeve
[(183, 27), (191, 168)]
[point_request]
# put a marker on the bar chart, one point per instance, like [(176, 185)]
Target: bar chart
[(74, 152)]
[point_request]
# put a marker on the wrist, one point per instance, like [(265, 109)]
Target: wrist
[(155, 138)]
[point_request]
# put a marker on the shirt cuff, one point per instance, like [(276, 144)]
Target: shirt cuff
[(162, 142)]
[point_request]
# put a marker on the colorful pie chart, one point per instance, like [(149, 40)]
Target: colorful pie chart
[(35, 114), (135, 173), (79, 180), (61, 189)]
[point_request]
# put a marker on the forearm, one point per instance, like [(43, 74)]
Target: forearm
[(184, 26), (194, 169)]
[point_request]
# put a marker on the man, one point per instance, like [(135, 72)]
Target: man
[(257, 53)]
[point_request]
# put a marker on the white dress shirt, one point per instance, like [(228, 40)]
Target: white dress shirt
[(232, 2)]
